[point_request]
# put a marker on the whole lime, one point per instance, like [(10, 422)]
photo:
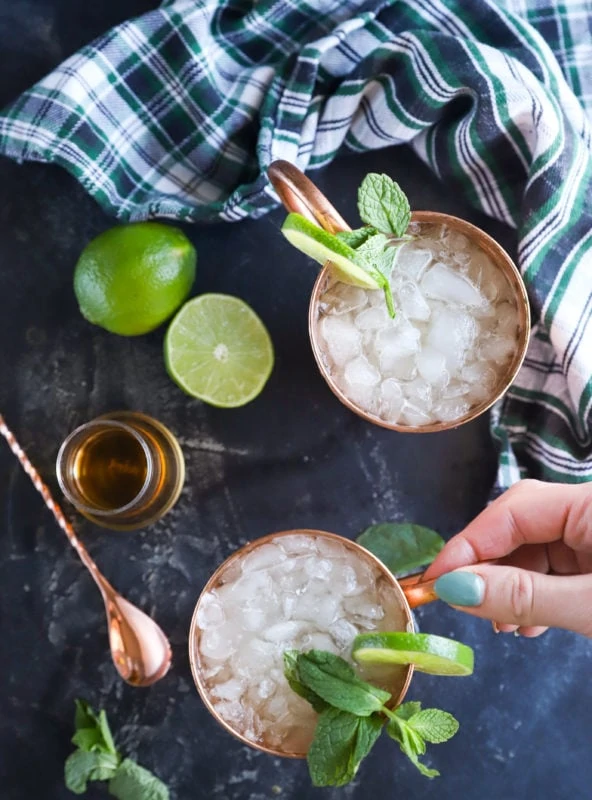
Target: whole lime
[(131, 278)]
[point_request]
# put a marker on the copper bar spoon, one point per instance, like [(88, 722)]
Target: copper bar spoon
[(140, 650)]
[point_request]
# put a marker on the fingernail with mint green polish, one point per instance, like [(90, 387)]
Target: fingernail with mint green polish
[(460, 588)]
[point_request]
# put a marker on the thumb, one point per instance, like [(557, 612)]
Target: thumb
[(516, 596)]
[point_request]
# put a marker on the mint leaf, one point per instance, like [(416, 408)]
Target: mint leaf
[(401, 547), (426, 771), (383, 204), (407, 710), (369, 729), (132, 782), (105, 766), (106, 732), (92, 730), (84, 716), (340, 743), (88, 739), (377, 257), (334, 680), (357, 237), (330, 753), (412, 728), (375, 251), (291, 674), (77, 770), (82, 766), (434, 725), (411, 743)]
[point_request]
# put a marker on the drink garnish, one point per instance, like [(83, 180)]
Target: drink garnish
[(97, 759), (436, 655), (363, 257), (352, 713), (323, 246)]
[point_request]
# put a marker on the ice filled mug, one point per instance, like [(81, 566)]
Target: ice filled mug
[(460, 331), (302, 589)]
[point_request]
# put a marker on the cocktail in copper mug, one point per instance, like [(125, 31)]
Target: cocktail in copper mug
[(499, 340), (302, 589)]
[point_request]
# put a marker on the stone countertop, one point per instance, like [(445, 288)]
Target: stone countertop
[(293, 458)]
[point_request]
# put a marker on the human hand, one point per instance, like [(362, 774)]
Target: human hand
[(540, 535)]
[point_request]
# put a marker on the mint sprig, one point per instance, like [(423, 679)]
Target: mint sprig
[(384, 208), (352, 715), (412, 728), (97, 759)]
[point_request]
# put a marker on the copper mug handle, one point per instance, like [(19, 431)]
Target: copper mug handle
[(417, 591), (298, 193)]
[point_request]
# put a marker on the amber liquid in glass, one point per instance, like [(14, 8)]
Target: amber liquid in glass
[(124, 470), (110, 469)]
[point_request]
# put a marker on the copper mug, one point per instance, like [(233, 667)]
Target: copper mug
[(298, 193), (404, 593)]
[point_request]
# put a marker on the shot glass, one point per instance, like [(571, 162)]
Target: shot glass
[(122, 471)]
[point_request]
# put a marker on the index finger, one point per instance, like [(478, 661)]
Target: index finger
[(531, 512)]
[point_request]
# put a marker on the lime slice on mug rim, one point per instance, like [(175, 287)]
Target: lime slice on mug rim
[(435, 655), (325, 247)]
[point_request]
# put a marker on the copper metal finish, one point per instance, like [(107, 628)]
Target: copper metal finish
[(140, 650), (299, 194), (407, 593)]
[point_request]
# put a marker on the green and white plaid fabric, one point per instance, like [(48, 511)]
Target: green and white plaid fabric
[(179, 112)]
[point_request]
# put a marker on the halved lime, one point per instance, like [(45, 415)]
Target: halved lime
[(434, 654), (323, 246), (218, 350)]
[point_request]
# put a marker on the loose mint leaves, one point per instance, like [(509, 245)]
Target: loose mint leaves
[(402, 547), (97, 759), (133, 782), (352, 715), (83, 766), (383, 204)]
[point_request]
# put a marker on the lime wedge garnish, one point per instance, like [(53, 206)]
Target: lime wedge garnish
[(218, 350), (323, 247), (434, 654)]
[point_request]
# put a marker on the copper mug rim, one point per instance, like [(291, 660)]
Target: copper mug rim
[(298, 193), (410, 592)]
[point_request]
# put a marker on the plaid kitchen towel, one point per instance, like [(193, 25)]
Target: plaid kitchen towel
[(179, 112)]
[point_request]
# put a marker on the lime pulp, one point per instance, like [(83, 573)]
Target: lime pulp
[(436, 655), (218, 350)]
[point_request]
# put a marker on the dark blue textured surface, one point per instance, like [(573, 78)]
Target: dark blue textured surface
[(292, 458)]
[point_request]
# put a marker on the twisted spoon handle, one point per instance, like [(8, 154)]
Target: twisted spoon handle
[(53, 505)]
